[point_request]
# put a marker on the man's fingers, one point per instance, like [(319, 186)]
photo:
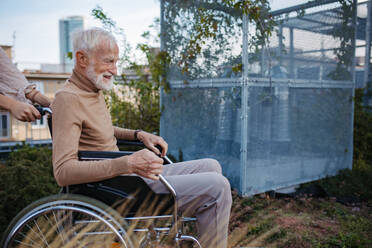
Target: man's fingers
[(147, 164), (155, 159), (154, 149), (150, 169), (154, 168), (164, 147), (151, 141), (156, 171), (153, 176)]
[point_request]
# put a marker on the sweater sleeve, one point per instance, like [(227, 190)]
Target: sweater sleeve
[(67, 127), (122, 133), (12, 81)]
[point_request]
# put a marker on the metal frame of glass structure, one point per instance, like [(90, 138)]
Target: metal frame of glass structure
[(301, 132)]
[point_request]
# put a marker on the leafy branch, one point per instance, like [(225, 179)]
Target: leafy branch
[(211, 29), (135, 103)]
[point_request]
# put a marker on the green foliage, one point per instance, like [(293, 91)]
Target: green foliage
[(157, 63), (135, 105), (200, 35), (355, 233), (26, 176), (110, 25), (362, 131), (276, 235), (345, 34), (260, 227), (355, 184), (139, 112)]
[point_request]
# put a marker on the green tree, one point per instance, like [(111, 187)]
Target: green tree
[(135, 103), (344, 33), (362, 131), (212, 24), (202, 36)]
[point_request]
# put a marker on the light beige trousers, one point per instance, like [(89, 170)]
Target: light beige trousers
[(202, 191)]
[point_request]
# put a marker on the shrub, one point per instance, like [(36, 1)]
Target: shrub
[(26, 176)]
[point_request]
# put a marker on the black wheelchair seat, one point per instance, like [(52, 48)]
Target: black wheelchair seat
[(131, 191)]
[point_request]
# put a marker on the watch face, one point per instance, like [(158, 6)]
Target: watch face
[(28, 89)]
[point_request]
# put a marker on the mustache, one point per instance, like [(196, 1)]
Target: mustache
[(107, 74)]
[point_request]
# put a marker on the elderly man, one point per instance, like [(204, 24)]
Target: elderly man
[(81, 121)]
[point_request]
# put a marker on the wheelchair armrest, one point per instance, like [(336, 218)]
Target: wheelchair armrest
[(100, 155), (130, 143)]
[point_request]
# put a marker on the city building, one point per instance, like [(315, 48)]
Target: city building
[(14, 132), (66, 27)]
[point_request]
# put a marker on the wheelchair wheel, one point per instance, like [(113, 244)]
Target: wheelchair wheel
[(67, 220)]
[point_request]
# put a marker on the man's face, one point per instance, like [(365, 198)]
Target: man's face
[(102, 65)]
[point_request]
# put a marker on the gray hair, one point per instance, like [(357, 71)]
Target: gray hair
[(88, 40)]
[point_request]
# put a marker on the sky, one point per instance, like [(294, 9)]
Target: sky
[(35, 22)]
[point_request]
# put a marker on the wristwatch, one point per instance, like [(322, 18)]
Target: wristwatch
[(29, 89), (136, 133)]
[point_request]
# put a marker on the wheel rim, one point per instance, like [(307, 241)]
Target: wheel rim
[(69, 224)]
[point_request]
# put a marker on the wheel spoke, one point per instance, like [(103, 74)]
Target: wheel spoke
[(25, 237), (58, 228), (22, 243), (67, 221), (42, 235)]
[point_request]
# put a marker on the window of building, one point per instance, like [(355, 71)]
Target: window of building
[(42, 122), (39, 86), (39, 123), (4, 125)]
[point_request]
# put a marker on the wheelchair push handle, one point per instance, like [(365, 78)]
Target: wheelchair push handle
[(43, 110), (166, 159), (161, 178)]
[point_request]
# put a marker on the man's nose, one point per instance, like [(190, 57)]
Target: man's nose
[(113, 69)]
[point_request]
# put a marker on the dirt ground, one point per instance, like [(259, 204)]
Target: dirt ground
[(303, 221)]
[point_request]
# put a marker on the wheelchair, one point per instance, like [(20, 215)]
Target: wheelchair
[(117, 212)]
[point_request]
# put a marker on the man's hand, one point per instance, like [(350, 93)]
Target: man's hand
[(146, 164), (151, 140), (24, 112)]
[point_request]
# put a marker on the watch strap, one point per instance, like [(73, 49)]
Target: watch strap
[(136, 134)]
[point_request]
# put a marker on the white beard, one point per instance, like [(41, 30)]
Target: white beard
[(99, 81)]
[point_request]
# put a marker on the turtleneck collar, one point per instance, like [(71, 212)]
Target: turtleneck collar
[(83, 82)]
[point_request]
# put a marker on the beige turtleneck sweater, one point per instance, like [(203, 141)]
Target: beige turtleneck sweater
[(81, 122)]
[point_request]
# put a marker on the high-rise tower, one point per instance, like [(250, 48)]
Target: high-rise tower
[(66, 27)]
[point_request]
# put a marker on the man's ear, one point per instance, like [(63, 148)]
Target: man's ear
[(82, 59)]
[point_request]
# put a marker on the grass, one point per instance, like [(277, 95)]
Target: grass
[(304, 220), (340, 218), (308, 221)]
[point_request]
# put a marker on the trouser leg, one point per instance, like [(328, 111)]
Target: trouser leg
[(201, 191)]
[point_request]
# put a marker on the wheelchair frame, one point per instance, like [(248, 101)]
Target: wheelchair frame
[(97, 211)]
